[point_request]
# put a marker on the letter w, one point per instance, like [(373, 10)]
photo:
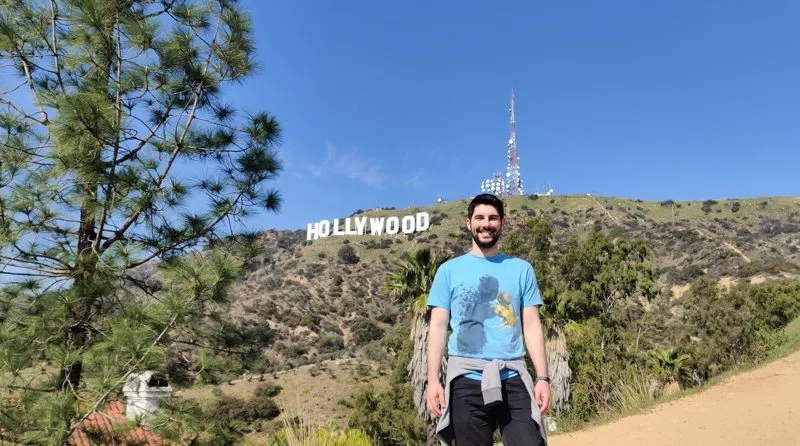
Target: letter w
[(376, 226)]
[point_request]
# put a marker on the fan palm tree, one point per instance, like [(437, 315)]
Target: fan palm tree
[(670, 364), (409, 284)]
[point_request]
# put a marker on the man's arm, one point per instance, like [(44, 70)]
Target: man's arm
[(534, 342), (437, 336)]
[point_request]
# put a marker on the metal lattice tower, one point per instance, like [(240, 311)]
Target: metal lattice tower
[(513, 175)]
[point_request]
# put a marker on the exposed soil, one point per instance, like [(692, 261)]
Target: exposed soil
[(757, 407)]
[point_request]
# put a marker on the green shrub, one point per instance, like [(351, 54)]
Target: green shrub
[(773, 266), (347, 254), (268, 390), (231, 410), (330, 342), (365, 331), (300, 433)]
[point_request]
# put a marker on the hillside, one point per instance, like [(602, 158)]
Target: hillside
[(325, 307)]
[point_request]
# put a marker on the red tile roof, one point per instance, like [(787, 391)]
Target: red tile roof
[(99, 426)]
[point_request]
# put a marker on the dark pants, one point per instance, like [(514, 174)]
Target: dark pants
[(474, 423)]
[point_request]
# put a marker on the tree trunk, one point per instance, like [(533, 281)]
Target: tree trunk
[(558, 367), (77, 336), (418, 371)]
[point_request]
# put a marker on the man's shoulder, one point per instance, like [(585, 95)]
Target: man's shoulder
[(454, 261), (516, 262)]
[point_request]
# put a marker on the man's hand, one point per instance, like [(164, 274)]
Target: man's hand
[(435, 397), (541, 392)]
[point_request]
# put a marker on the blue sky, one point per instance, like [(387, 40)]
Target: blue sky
[(392, 103), (387, 103)]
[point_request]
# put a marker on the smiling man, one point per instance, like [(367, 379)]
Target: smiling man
[(491, 301)]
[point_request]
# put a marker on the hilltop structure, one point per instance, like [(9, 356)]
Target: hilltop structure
[(512, 184)]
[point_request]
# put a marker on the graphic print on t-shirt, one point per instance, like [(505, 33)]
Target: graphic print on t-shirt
[(479, 305), (505, 309)]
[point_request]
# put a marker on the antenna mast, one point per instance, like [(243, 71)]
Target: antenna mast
[(513, 177)]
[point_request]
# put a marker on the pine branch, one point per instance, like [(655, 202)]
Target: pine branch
[(5, 93), (54, 47), (29, 151), (29, 78), (166, 9), (211, 347), (33, 389), (109, 196), (27, 274), (28, 254), (16, 262), (205, 231), (179, 144), (143, 142), (124, 378), (30, 116)]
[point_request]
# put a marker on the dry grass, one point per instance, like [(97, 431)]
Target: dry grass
[(317, 389), (299, 430)]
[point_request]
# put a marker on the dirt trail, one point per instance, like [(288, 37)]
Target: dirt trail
[(727, 245), (758, 407)]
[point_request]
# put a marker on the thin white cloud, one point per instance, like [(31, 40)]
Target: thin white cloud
[(318, 169), (415, 180), (348, 165), (285, 157)]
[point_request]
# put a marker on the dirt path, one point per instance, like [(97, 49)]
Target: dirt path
[(754, 408), (727, 245)]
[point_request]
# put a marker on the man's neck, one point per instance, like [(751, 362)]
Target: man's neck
[(487, 252)]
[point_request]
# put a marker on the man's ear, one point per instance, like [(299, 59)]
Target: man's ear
[(468, 225)]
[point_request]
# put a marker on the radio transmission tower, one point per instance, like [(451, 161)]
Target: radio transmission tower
[(513, 176)]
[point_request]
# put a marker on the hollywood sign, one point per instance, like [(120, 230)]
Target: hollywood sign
[(369, 226)]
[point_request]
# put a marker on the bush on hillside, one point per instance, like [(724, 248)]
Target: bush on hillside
[(330, 342), (770, 266), (390, 417), (267, 390), (231, 410), (348, 255), (365, 331), (725, 329)]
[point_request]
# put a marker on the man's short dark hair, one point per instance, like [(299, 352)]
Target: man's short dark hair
[(489, 199)]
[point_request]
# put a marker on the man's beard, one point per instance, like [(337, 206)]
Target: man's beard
[(490, 243)]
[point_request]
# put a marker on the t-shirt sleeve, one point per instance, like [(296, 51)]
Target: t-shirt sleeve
[(439, 296), (530, 289)]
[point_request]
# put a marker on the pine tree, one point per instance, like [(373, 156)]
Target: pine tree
[(117, 152)]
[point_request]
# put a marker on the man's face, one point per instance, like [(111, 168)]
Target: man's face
[(485, 225)]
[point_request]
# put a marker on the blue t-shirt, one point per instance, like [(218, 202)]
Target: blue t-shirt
[(485, 297)]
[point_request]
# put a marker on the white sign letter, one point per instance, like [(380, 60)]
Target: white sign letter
[(408, 224), (324, 228), (423, 221), (347, 227), (313, 231), (336, 230), (392, 225), (376, 226), (361, 225)]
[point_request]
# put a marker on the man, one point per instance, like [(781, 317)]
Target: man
[(490, 301)]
